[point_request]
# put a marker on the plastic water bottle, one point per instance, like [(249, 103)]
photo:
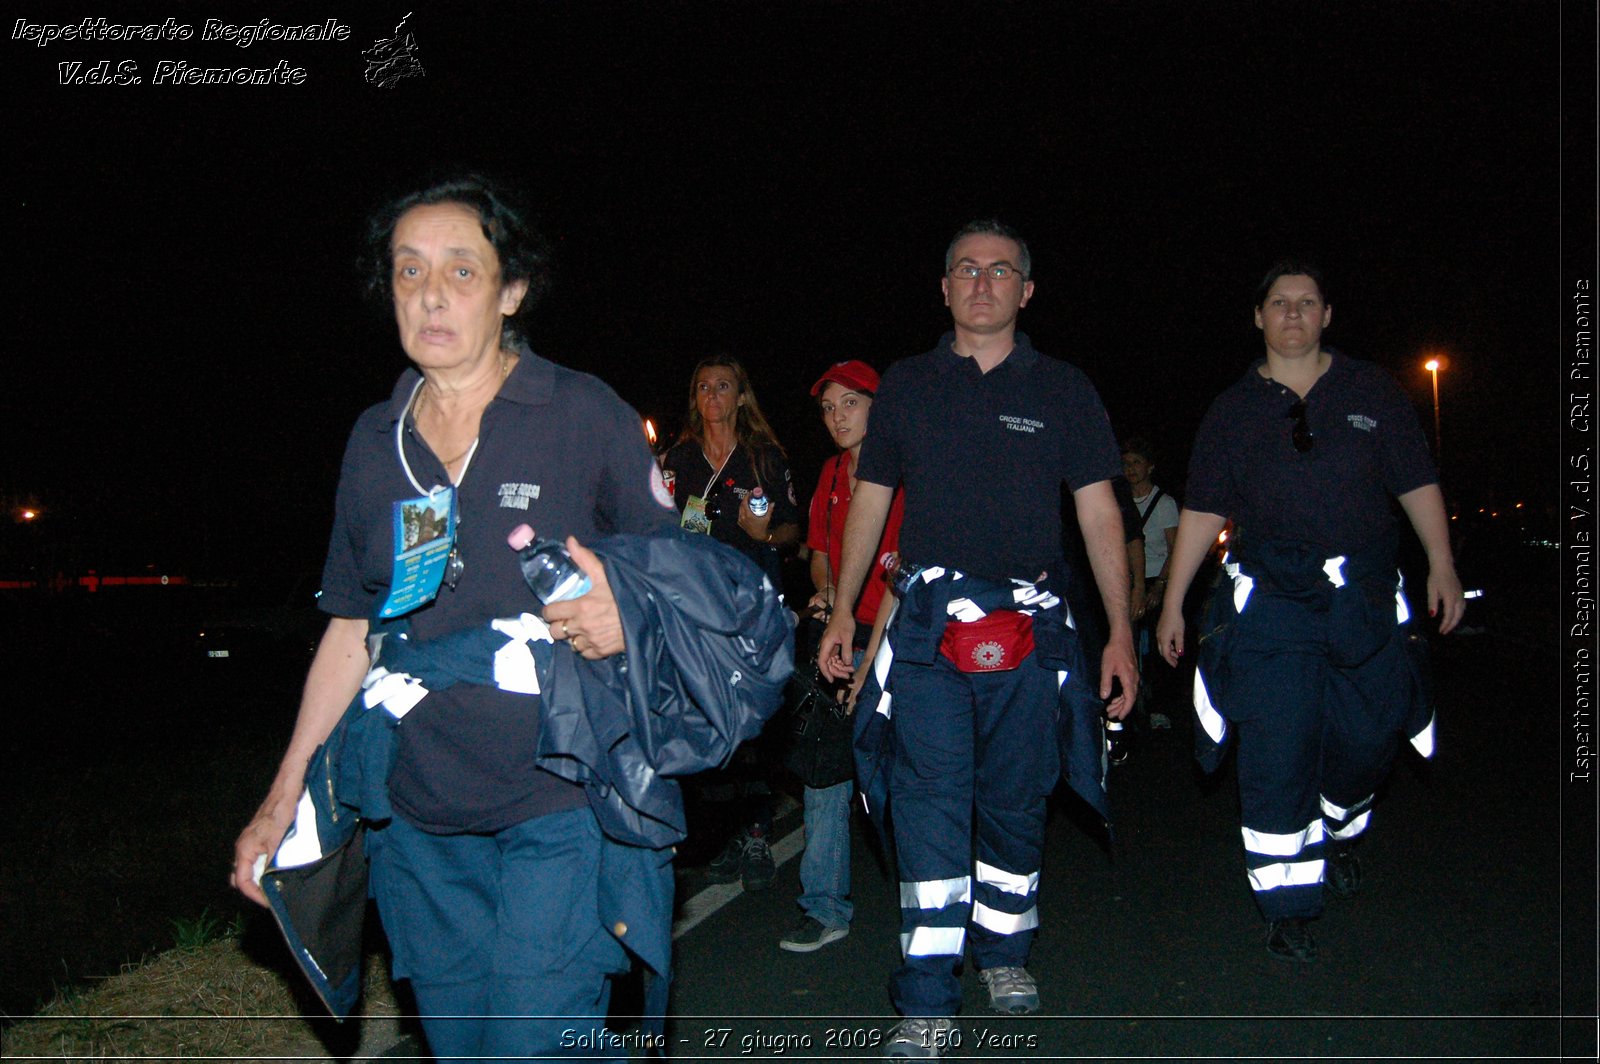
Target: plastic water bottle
[(759, 503), (547, 567)]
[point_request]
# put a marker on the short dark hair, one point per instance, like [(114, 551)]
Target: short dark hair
[(1140, 446), (1292, 268), (991, 227), (523, 252)]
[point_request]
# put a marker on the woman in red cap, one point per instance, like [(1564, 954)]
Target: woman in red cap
[(844, 395)]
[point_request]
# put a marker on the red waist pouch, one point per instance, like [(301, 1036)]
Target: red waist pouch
[(996, 643)]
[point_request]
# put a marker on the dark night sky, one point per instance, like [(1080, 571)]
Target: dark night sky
[(777, 180)]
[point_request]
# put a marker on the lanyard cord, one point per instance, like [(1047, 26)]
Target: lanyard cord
[(706, 494), (400, 448)]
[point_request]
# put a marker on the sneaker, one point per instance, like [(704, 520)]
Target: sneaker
[(1160, 722), (921, 1038), (1341, 875), (759, 867), (1289, 939), (725, 866), (1011, 990), (810, 936)]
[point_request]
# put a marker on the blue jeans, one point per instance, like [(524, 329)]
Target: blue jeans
[(500, 936), (825, 865)]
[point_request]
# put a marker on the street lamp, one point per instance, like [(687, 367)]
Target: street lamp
[(1433, 366)]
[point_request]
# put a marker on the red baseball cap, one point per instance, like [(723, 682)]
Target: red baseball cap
[(853, 374)]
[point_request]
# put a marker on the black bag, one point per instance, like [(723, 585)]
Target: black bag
[(820, 733)]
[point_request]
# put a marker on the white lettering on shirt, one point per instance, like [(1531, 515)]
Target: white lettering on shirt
[(1021, 424), (517, 496)]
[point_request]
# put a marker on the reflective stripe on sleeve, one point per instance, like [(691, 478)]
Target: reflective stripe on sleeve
[(1422, 742), (1241, 583), (1212, 721), (514, 667), (397, 692), (964, 609), (1354, 828), (1341, 813), (1035, 596), (300, 846)]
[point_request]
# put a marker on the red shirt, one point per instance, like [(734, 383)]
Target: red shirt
[(830, 505)]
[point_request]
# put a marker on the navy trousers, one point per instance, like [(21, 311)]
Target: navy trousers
[(975, 757), (500, 937), (1319, 710)]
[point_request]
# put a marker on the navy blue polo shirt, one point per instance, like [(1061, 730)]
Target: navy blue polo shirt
[(983, 456), (557, 450), (730, 486), (1367, 447)]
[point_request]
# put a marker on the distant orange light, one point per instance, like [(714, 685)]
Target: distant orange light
[(1432, 365), (29, 515), (1519, 506)]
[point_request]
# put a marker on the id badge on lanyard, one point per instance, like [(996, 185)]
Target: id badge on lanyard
[(694, 517), (424, 537)]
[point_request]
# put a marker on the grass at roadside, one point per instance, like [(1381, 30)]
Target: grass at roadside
[(214, 1000)]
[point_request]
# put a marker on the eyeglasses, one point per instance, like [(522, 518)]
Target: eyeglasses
[(1300, 434), (998, 271), (454, 567)]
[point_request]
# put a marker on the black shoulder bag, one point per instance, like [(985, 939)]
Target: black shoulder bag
[(820, 733)]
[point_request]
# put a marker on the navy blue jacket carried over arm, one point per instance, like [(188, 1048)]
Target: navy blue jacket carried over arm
[(709, 649), (937, 596)]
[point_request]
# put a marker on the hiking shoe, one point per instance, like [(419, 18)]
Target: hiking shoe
[(1289, 939), (1160, 722), (727, 866), (921, 1038), (758, 868), (1341, 875), (1011, 990), (810, 936)]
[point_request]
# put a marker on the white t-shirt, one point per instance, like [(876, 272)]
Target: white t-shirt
[(1155, 538)]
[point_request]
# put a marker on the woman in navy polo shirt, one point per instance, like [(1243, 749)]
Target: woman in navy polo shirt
[(1306, 655), (485, 867), (728, 452)]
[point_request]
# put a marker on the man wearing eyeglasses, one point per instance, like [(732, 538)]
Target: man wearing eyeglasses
[(1308, 660), (981, 432)]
